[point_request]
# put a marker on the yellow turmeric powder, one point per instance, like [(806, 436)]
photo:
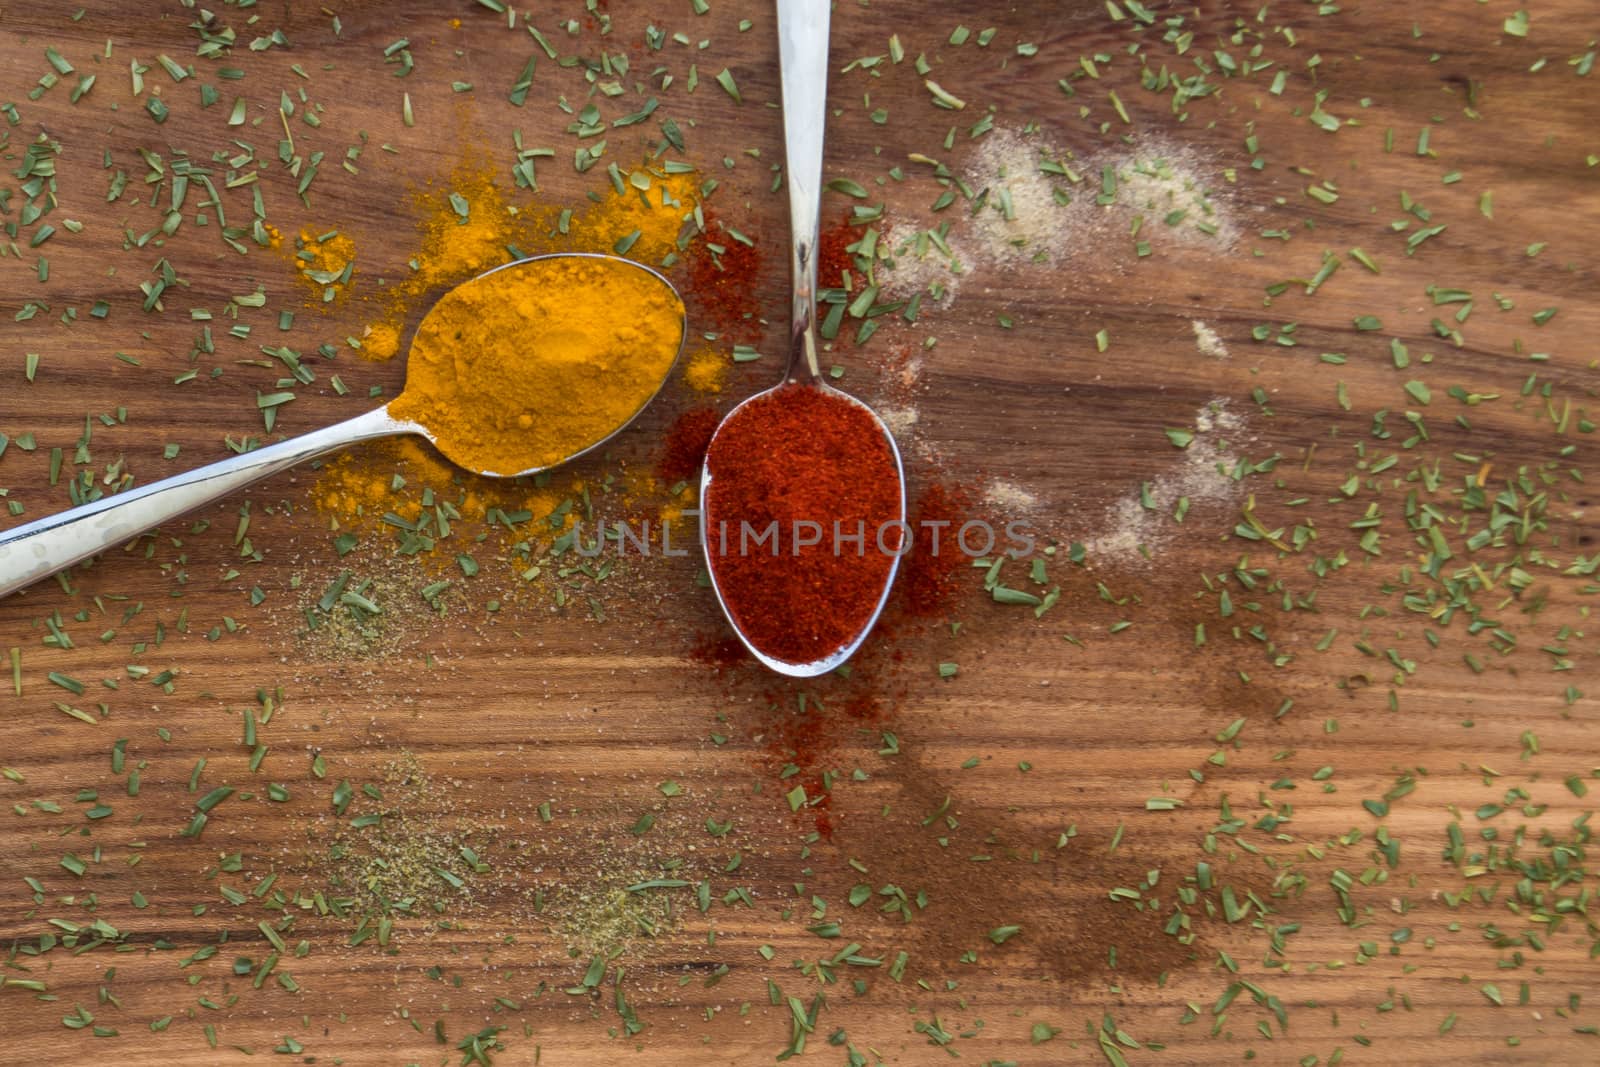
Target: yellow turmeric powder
[(526, 366), (705, 370), (467, 224), (642, 217), (381, 341), (325, 262), (358, 489)]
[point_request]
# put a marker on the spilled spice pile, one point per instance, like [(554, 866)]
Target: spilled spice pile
[(685, 447), (838, 264), (930, 580), (705, 370), (403, 847), (326, 262), (723, 275)]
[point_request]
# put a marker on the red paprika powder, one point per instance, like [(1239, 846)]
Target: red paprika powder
[(931, 579), (685, 447), (834, 258), (801, 464), (722, 283)]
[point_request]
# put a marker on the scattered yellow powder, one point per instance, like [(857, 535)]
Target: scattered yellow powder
[(469, 225), (466, 226), (326, 262), (642, 497), (343, 490), (356, 489), (705, 370), (643, 219), (381, 341), (417, 463)]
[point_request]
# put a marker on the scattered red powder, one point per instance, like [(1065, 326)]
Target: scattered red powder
[(802, 739), (795, 746), (899, 367), (811, 740), (929, 580), (685, 446), (718, 651), (864, 708), (722, 285), (834, 258)]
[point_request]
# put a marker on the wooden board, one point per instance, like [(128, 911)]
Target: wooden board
[(1216, 781)]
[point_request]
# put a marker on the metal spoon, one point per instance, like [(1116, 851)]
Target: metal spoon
[(41, 548), (803, 71)]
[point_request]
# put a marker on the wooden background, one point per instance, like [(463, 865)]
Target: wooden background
[(502, 712)]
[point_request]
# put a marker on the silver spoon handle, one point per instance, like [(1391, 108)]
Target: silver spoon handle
[(41, 548), (803, 71)]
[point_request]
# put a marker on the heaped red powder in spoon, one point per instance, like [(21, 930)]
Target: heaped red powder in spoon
[(801, 464)]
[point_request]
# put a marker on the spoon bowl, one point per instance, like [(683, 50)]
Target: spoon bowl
[(40, 548), (833, 660), (529, 265), (803, 73)]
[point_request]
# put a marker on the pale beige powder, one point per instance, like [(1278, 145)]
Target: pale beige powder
[(1198, 475), (1208, 342), (1038, 204)]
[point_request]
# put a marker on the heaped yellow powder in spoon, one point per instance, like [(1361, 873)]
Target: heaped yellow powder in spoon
[(528, 365)]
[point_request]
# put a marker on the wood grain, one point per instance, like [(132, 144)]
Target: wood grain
[(480, 717)]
